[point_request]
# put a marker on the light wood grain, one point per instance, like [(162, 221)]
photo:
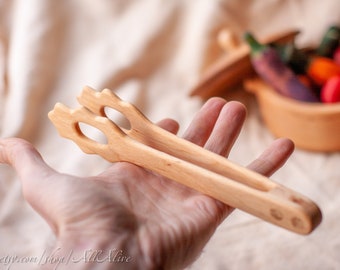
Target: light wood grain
[(151, 147)]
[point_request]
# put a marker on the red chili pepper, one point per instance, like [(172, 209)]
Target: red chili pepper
[(330, 92)]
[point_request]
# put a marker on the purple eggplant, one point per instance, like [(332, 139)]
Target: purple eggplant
[(269, 66)]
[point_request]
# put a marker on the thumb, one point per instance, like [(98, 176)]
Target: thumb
[(35, 175), (24, 158)]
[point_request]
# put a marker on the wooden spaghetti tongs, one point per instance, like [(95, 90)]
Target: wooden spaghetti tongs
[(149, 146)]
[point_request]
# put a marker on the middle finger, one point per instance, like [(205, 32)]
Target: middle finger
[(227, 128)]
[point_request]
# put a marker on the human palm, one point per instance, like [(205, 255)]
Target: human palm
[(157, 223)]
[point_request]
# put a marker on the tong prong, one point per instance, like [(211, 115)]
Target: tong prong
[(97, 101), (67, 123)]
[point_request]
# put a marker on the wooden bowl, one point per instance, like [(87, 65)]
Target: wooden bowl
[(311, 126)]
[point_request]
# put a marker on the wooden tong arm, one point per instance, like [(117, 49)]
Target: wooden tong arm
[(279, 206)]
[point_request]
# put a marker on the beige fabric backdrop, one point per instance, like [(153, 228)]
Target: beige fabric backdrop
[(151, 53)]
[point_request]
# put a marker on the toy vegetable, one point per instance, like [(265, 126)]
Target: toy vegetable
[(272, 69), (336, 56), (329, 42), (330, 91), (317, 68), (321, 69), (294, 58)]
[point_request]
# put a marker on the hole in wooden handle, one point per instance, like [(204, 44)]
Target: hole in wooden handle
[(92, 133)]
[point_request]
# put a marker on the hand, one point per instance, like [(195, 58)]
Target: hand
[(153, 222)]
